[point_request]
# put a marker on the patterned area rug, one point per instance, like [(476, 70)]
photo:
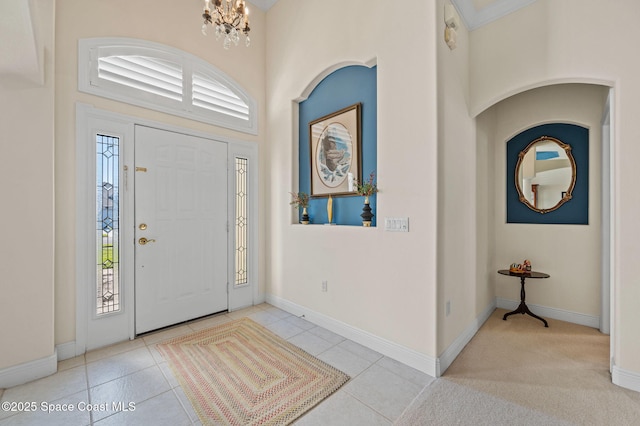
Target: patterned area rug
[(240, 373)]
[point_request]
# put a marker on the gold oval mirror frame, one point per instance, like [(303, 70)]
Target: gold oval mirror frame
[(545, 174)]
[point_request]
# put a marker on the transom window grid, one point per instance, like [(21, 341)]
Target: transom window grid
[(241, 212), (165, 79), (108, 290)]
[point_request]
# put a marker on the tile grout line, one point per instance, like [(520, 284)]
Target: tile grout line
[(277, 320), (86, 378), (184, 408)]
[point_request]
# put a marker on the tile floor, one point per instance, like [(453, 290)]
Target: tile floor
[(134, 372)]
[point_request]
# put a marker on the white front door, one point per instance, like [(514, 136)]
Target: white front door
[(181, 211)]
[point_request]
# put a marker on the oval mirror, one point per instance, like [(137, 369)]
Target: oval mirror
[(545, 174)]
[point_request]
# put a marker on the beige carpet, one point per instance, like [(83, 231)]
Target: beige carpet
[(240, 373), (519, 372)]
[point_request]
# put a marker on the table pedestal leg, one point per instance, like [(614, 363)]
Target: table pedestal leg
[(523, 308)]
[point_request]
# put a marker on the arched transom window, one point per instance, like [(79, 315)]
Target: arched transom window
[(165, 79)]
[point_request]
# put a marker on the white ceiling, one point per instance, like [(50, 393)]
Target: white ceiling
[(264, 4), (476, 13), (19, 54)]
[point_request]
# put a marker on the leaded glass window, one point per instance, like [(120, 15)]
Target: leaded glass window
[(107, 224), (241, 211)]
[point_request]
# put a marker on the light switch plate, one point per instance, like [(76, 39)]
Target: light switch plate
[(396, 224)]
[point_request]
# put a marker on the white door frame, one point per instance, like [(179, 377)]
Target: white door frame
[(609, 229), (89, 121), (85, 211), (247, 294), (606, 210)]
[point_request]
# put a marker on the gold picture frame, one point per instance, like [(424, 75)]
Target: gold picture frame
[(560, 186), (336, 151)]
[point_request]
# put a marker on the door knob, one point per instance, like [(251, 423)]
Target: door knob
[(142, 241), (142, 226)]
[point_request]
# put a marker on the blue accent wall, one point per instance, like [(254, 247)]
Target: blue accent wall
[(340, 89), (576, 210)]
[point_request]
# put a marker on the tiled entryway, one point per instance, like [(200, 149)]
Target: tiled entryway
[(134, 372)]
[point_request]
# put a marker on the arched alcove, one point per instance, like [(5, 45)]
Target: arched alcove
[(569, 251), (334, 90)]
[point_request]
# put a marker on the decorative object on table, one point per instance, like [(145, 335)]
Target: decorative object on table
[(520, 268), (335, 151), (262, 380), (366, 189), (301, 199), (330, 210), (230, 18)]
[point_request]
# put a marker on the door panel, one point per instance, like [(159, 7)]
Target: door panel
[(181, 197)]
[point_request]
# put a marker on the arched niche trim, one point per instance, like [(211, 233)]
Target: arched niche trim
[(327, 71)]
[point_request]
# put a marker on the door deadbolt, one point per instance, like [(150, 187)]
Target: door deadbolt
[(142, 226), (142, 241)]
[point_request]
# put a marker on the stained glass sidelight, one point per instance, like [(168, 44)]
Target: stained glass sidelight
[(107, 224), (241, 222)]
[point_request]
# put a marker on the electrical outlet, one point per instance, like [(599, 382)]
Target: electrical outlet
[(447, 308), (324, 286)]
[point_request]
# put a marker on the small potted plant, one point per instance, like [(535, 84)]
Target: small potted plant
[(366, 189), (301, 199)]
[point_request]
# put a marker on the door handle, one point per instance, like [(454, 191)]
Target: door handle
[(142, 241)]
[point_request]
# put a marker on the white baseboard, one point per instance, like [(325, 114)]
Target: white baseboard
[(625, 378), (547, 312), (29, 371), (451, 353), (66, 350), (410, 357), (425, 363)]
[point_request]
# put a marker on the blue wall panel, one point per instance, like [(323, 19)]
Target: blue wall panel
[(340, 89), (576, 210)]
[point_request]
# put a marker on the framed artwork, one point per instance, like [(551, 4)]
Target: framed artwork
[(335, 150)]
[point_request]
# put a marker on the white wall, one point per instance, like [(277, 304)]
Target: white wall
[(486, 208), (383, 283), (462, 284), (27, 213), (176, 24), (575, 41)]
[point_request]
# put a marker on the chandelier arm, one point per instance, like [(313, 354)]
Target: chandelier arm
[(207, 16)]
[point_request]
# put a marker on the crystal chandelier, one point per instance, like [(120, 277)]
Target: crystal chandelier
[(229, 17)]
